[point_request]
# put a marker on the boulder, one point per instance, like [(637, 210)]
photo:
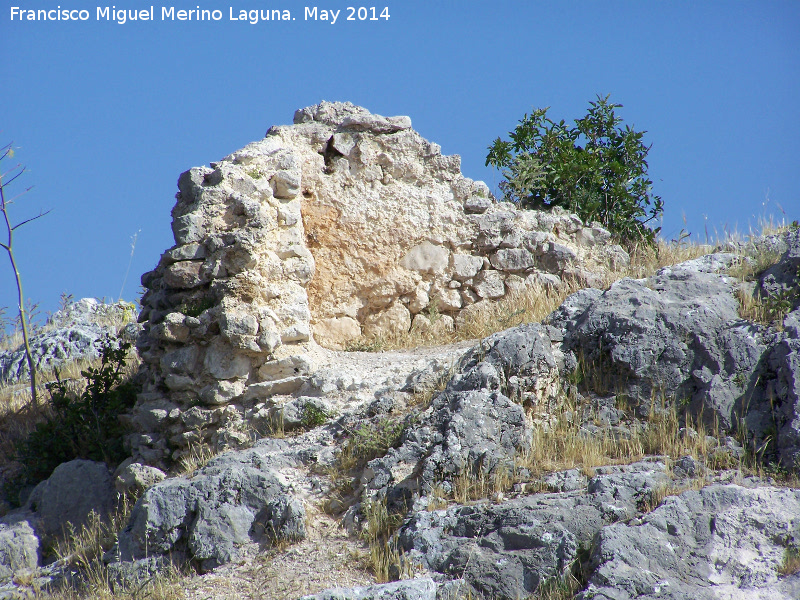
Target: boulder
[(677, 335), (68, 497), (723, 541), (238, 497)]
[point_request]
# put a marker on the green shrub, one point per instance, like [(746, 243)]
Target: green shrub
[(313, 416), (596, 169), (83, 425)]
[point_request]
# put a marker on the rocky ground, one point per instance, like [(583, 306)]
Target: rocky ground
[(477, 513), (642, 441)]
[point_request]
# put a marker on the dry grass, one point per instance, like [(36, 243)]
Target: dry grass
[(82, 550), (195, 458), (384, 559), (561, 442), (791, 562)]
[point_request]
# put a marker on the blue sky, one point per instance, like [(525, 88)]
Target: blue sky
[(106, 116)]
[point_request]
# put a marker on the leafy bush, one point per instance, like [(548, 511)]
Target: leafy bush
[(604, 179), (84, 425)]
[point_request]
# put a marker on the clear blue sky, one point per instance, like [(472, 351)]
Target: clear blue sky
[(106, 116)]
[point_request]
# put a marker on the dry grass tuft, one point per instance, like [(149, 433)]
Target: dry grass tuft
[(791, 562), (384, 559), (82, 551)]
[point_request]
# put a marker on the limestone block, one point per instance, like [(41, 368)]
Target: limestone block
[(184, 275), (132, 477), (512, 259), (222, 362), (447, 300), (344, 143), (193, 251), (465, 266), (336, 332), (289, 366), (477, 204), (426, 258), (222, 392), (237, 322), (419, 301), (297, 332), (558, 257), (188, 228), (172, 328), (393, 321), (266, 389), (179, 383), (489, 284), (181, 360), (285, 184)]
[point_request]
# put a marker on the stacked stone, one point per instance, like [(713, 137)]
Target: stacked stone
[(345, 224)]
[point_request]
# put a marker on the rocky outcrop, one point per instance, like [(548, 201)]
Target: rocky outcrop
[(74, 333), (235, 499), (345, 224), (508, 550), (478, 423), (678, 336), (723, 541)]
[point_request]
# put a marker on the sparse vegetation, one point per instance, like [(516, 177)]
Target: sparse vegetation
[(370, 441), (313, 416), (6, 178), (791, 562), (195, 307), (385, 560), (84, 423)]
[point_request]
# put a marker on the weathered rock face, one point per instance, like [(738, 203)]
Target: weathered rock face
[(342, 225), (677, 334), (718, 542), (236, 498), (507, 550), (73, 333)]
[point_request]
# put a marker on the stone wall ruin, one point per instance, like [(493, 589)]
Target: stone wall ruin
[(344, 224)]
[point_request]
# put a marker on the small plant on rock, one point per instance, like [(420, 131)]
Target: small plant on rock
[(313, 416)]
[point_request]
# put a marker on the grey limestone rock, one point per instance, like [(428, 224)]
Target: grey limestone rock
[(236, 498), (505, 551), (74, 490), (73, 333), (676, 334), (423, 588), (19, 546), (724, 541), (478, 422)]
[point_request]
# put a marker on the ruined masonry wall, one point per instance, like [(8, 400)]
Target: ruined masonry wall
[(341, 225)]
